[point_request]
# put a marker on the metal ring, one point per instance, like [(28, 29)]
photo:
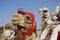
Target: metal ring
[(21, 9)]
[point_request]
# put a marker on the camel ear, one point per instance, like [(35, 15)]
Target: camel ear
[(40, 11)]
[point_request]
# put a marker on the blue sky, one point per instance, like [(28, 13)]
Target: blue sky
[(10, 7)]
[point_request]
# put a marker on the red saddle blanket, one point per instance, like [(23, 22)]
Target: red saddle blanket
[(58, 36)]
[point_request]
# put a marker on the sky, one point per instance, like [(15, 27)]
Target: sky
[(9, 7)]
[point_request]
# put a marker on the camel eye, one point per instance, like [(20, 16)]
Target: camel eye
[(28, 18), (45, 11)]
